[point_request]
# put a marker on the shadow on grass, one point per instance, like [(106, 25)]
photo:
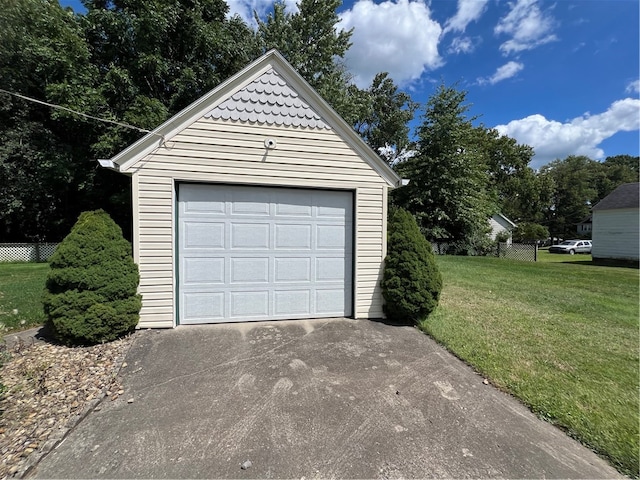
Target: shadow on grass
[(602, 264)]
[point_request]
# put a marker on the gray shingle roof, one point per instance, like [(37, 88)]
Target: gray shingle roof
[(268, 100), (626, 195)]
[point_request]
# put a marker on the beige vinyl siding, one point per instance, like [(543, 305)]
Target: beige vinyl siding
[(153, 248), (616, 234), (229, 152)]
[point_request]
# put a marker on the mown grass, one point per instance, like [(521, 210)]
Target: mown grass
[(545, 257), (21, 288), (562, 337)]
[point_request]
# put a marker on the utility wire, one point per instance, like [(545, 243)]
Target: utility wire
[(60, 107)]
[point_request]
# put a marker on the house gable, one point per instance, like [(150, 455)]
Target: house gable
[(269, 92)]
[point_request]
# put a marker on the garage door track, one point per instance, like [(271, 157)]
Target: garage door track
[(315, 399)]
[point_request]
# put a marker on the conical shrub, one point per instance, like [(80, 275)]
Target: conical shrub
[(411, 282), (91, 290)]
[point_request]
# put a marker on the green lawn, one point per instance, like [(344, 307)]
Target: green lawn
[(562, 337), (545, 257), (21, 287)]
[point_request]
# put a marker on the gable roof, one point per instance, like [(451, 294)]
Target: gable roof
[(504, 219), (268, 91), (624, 196)]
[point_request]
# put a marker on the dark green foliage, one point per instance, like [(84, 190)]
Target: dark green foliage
[(411, 282), (477, 244), (448, 193), (528, 232), (90, 294)]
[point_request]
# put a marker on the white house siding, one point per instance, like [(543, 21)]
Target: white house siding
[(220, 151), (496, 227), (498, 224), (616, 234)]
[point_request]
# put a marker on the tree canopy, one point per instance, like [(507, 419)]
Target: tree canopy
[(140, 62), (448, 191)]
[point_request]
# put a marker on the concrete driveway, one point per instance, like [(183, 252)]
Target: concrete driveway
[(310, 399)]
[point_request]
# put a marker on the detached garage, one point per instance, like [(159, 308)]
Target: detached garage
[(257, 202)]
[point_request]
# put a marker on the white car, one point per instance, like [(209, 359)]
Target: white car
[(572, 247)]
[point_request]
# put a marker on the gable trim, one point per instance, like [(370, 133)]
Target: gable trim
[(126, 160)]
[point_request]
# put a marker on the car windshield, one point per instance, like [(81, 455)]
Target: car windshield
[(567, 242)]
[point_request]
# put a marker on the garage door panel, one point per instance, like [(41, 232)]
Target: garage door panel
[(290, 210), (249, 304), (249, 235), (263, 253), (203, 235), (330, 301), (330, 269), (296, 302), (250, 203), (249, 270), (331, 237), (293, 236), (203, 270), (201, 306), (294, 203), (292, 269), (201, 199), (329, 205)]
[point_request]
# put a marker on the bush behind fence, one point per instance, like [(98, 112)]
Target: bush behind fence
[(26, 252)]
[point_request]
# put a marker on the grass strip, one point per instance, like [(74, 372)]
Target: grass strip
[(21, 288)]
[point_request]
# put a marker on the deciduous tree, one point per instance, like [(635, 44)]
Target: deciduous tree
[(448, 192)]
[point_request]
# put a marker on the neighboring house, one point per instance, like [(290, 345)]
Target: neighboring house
[(616, 225), (584, 227), (257, 202), (499, 224)]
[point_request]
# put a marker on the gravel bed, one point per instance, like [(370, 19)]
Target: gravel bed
[(49, 388)]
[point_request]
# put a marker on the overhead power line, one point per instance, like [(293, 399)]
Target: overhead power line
[(86, 115)]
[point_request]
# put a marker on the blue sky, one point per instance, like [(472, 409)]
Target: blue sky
[(561, 76)]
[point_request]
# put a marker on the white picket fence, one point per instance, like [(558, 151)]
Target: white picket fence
[(26, 252)]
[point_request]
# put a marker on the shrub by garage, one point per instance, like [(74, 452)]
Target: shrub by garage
[(411, 282), (90, 294)]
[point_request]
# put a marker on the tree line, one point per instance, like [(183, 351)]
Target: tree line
[(140, 62)]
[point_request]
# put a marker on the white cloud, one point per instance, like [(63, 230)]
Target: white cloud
[(461, 45), (508, 70), (528, 26), (633, 87), (468, 11), (581, 136), (245, 8), (396, 37)]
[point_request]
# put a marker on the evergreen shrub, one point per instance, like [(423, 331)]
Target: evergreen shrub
[(90, 295), (411, 282)]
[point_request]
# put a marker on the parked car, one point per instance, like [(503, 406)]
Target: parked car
[(572, 247)]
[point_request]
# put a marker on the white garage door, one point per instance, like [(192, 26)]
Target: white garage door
[(262, 253)]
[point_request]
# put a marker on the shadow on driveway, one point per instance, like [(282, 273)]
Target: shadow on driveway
[(330, 398)]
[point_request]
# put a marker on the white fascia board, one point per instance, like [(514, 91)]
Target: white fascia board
[(513, 225)]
